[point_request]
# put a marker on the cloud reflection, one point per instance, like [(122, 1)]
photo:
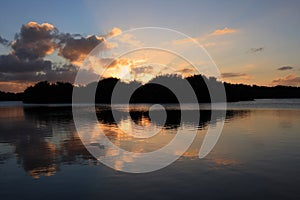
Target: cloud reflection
[(44, 138)]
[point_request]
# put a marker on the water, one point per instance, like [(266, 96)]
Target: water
[(256, 157)]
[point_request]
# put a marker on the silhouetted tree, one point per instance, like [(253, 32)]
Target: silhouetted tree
[(45, 92), (8, 96), (151, 92)]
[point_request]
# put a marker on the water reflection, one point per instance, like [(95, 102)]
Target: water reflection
[(44, 138)]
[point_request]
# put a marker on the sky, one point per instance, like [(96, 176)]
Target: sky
[(251, 42)]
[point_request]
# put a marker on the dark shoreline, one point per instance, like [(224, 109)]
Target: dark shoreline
[(51, 93)]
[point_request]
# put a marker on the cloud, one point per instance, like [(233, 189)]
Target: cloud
[(4, 41), (117, 62), (224, 31), (233, 75), (290, 80), (75, 49), (206, 39), (13, 86), (63, 73), (185, 41), (114, 32), (210, 44), (119, 67), (13, 69), (35, 41), (114, 63), (26, 62), (255, 50), (143, 69), (127, 38), (12, 64), (186, 71), (284, 68)]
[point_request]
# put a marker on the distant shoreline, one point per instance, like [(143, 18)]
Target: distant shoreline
[(53, 93), (283, 101)]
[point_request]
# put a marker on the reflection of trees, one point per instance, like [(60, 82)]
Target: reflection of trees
[(49, 115), (38, 147), (45, 138), (70, 149), (233, 114), (73, 151), (4, 157), (114, 128), (36, 155), (173, 119)]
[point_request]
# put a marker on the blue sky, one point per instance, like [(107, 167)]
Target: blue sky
[(272, 26)]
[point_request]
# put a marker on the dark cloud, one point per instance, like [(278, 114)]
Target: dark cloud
[(50, 72), (290, 80), (21, 77), (34, 41), (14, 69), (233, 75), (65, 67), (256, 50), (26, 62), (12, 64), (67, 73), (283, 68), (75, 49), (4, 41), (52, 75)]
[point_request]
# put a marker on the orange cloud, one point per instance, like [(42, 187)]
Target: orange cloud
[(223, 31), (14, 86), (115, 31), (210, 44), (204, 40), (129, 39), (35, 25), (185, 41), (186, 72), (289, 80)]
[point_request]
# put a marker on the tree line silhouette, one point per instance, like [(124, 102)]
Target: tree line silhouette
[(45, 92), (8, 96)]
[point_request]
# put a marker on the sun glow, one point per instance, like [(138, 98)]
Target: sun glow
[(124, 73), (128, 70)]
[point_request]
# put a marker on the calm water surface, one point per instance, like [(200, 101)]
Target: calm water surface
[(256, 157)]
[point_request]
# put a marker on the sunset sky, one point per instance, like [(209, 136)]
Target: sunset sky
[(251, 42)]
